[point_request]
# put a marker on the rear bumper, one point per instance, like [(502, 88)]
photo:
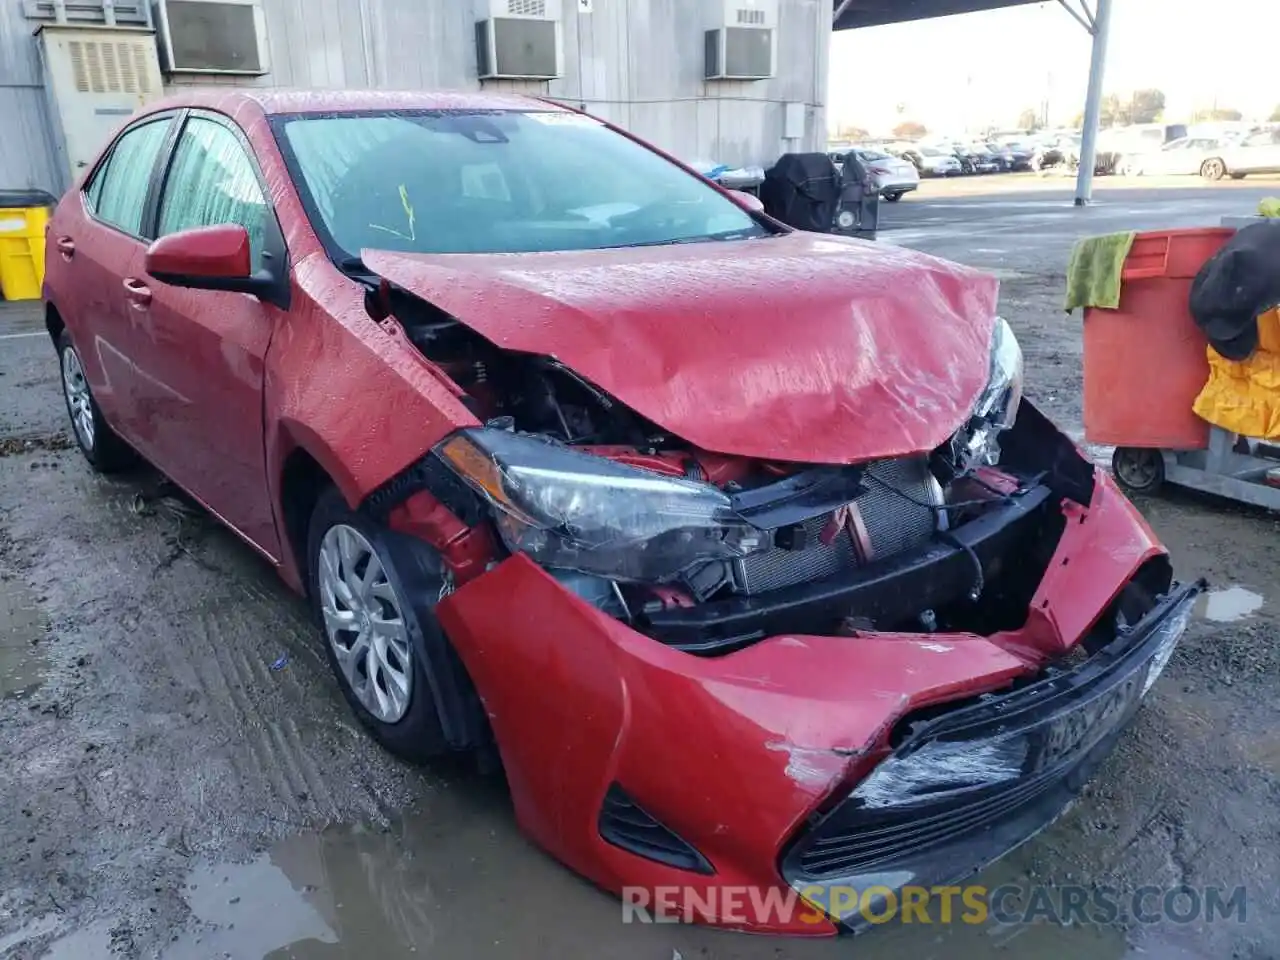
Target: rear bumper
[(978, 782), (898, 184)]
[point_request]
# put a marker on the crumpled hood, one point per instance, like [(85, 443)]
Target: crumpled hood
[(802, 347)]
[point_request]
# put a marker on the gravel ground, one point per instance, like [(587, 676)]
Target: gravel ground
[(181, 779)]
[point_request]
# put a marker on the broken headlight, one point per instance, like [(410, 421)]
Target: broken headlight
[(997, 407), (575, 511)]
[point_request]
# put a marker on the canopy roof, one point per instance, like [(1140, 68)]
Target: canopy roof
[(874, 13)]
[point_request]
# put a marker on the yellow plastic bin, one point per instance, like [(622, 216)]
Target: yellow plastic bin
[(23, 216)]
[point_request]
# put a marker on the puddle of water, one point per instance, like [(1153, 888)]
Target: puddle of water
[(1230, 604), (457, 879), (22, 664)]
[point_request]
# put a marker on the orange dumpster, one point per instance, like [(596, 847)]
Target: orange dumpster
[(1145, 364)]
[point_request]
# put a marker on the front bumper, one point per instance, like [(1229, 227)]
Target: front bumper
[(581, 704), (974, 784)]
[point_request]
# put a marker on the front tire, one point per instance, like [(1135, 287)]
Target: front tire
[(894, 196), (1213, 170), (101, 446), (373, 635)]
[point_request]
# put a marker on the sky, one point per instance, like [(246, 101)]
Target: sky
[(984, 69)]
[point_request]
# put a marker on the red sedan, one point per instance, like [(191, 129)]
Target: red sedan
[(740, 545)]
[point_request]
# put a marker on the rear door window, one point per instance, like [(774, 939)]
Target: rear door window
[(118, 193)]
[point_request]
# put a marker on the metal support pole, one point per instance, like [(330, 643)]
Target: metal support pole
[(1093, 105)]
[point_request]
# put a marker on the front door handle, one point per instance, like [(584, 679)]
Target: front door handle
[(67, 247), (138, 292)]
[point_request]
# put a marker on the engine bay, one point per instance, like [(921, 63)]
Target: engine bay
[(911, 543)]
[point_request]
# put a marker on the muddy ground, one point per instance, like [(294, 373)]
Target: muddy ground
[(180, 779)]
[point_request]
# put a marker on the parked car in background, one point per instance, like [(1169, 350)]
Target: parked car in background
[(908, 150), (982, 159), (1116, 143), (1003, 155), (811, 629), (962, 156), (1190, 156), (895, 176), (1259, 153), (1021, 151), (937, 162), (1047, 154)]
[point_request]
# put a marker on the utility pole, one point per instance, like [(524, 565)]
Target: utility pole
[(1099, 25)]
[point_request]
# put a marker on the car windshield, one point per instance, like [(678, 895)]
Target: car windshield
[(870, 155), (495, 182), (932, 152)]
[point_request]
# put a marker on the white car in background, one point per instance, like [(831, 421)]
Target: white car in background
[(936, 162), (1257, 153), (894, 176), (1189, 156)]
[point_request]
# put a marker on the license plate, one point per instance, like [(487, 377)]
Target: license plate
[(1074, 733)]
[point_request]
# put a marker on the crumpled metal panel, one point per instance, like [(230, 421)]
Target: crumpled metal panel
[(802, 347)]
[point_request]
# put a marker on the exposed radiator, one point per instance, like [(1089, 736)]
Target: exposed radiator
[(882, 522)]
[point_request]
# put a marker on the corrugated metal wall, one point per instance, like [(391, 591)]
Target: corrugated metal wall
[(26, 147), (636, 62)]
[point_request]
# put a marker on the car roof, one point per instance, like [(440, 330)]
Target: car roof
[(286, 101)]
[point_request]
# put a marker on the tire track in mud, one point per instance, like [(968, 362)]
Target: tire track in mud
[(228, 678)]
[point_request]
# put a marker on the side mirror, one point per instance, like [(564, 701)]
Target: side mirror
[(750, 201), (209, 258)]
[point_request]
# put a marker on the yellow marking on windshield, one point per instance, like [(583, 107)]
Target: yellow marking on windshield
[(410, 218)]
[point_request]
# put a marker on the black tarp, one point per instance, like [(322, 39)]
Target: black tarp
[(1240, 283), (803, 191)]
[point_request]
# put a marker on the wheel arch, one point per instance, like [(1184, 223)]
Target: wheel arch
[(53, 322), (302, 480)]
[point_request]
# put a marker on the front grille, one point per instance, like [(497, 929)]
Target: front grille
[(901, 834), (893, 515)]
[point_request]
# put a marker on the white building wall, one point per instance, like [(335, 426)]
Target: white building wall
[(638, 63)]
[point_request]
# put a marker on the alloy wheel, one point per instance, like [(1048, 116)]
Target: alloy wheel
[(79, 400), (365, 623)]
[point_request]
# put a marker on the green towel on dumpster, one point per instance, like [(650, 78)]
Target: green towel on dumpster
[(1093, 277)]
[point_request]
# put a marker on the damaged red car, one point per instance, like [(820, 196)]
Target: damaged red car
[(739, 547)]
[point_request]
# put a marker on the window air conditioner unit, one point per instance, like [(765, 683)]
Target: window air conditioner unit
[(519, 40), (213, 36), (742, 45)]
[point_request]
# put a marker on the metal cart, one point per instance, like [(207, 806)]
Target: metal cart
[(1232, 466)]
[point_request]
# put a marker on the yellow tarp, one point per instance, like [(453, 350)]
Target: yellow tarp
[(1244, 397)]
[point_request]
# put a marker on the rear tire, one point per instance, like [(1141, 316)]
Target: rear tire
[(373, 635), (894, 196), (101, 446), (1213, 170)]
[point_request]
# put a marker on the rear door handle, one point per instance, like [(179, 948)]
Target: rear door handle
[(67, 247), (138, 292)]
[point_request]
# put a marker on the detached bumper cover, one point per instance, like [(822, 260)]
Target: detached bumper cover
[(580, 702), (972, 785)]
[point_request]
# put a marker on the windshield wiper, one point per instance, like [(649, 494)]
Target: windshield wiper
[(728, 235), (354, 266)]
